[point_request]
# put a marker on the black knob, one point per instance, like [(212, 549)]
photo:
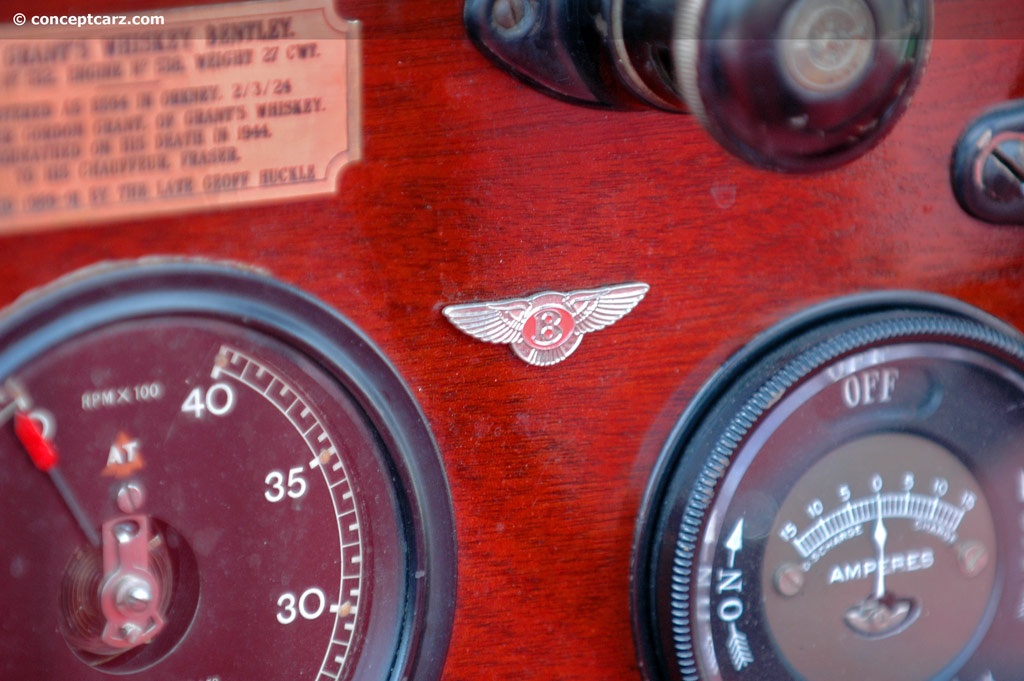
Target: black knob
[(805, 85), (792, 85)]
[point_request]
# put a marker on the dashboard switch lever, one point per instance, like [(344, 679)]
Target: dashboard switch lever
[(988, 166)]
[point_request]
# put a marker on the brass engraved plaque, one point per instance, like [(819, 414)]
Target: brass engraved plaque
[(213, 106)]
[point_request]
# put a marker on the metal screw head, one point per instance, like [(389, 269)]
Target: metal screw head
[(134, 595), (789, 580), (130, 497), (126, 531), (131, 633), (973, 557)]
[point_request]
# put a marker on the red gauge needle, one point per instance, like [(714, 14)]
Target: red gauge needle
[(44, 455)]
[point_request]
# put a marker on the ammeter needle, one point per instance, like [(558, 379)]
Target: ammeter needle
[(44, 455), (880, 536)]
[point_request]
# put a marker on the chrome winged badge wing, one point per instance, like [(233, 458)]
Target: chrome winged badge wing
[(547, 327)]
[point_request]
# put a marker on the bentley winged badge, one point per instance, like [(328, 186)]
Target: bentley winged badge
[(545, 328)]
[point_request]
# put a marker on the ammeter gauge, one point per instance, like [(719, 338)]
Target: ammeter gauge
[(210, 476), (844, 501)]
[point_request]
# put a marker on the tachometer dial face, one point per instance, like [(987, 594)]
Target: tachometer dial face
[(210, 476), (844, 502)]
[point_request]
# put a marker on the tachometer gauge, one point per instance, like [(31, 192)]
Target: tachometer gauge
[(844, 501), (209, 476)]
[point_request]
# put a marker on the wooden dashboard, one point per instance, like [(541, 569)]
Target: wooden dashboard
[(474, 187)]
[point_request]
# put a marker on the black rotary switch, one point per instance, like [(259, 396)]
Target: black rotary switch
[(790, 85), (988, 165)]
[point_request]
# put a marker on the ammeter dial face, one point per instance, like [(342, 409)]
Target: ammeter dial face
[(844, 502), (210, 476)]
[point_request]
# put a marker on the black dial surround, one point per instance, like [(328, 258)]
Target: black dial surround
[(297, 519), (800, 85), (879, 430)]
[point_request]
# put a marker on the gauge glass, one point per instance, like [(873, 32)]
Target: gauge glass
[(232, 498), (844, 502)]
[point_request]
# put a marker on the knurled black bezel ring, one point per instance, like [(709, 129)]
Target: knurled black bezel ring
[(802, 366)]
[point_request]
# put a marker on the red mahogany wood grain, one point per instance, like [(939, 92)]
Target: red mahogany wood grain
[(474, 187)]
